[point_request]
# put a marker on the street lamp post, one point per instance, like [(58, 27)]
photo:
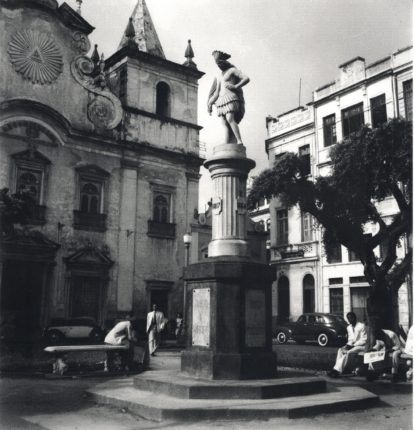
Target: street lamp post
[(187, 243)]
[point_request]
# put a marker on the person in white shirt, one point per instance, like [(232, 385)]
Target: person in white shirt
[(357, 339), (388, 340), (121, 334), (155, 325)]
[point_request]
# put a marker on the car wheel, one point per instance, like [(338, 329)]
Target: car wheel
[(281, 337), (96, 335), (323, 339), (55, 337)]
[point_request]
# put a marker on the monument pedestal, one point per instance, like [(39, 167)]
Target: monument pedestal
[(229, 320)]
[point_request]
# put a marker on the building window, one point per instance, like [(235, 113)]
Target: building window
[(161, 223), (282, 226), (378, 110), (329, 130), (336, 301), (90, 197), (30, 182), (359, 296), (268, 226), (308, 294), (336, 281), (161, 208), (352, 119), (335, 254), (383, 248), (304, 154), (408, 99), (352, 256), (307, 229), (357, 280), (90, 215), (279, 156), (163, 102), (30, 177)]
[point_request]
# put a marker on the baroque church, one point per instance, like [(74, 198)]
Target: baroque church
[(109, 151)]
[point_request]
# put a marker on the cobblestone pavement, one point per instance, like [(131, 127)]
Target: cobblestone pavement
[(37, 403)]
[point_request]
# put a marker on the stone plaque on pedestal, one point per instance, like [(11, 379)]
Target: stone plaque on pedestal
[(201, 317), (255, 329)]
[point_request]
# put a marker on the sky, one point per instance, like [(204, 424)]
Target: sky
[(277, 43)]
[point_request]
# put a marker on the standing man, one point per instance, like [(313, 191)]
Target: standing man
[(155, 325), (357, 339)]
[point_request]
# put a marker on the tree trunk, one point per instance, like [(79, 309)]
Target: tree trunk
[(380, 306)]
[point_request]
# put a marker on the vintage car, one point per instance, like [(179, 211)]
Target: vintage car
[(61, 330), (326, 329)]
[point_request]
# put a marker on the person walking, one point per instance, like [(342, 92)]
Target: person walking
[(357, 339), (155, 325)]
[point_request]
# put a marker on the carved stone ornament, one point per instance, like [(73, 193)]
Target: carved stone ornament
[(80, 43), (35, 56), (104, 108)]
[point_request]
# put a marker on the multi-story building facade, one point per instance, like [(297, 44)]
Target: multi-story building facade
[(361, 94), (109, 151)]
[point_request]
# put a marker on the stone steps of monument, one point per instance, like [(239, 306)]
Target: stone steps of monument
[(159, 407), (177, 384)]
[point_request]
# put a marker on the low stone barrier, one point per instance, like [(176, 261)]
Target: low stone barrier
[(307, 357)]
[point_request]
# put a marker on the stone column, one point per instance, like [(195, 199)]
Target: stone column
[(229, 297), (229, 168)]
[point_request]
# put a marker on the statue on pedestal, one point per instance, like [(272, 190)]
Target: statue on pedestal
[(227, 94)]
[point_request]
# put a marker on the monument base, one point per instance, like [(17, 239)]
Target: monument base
[(229, 333), (207, 364)]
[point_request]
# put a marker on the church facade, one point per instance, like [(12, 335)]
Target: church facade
[(108, 150)]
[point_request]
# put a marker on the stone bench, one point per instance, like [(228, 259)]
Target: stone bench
[(406, 358), (60, 366)]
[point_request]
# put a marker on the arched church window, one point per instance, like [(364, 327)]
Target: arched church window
[(161, 208), (163, 102), (90, 197)]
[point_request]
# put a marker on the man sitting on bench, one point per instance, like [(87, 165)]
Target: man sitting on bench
[(347, 355), (121, 334)]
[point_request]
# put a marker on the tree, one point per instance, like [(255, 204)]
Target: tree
[(14, 209), (366, 168)]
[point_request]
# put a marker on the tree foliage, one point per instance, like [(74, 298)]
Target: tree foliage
[(14, 209), (365, 169)]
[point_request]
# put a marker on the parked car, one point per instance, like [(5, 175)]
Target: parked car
[(61, 330), (325, 329)]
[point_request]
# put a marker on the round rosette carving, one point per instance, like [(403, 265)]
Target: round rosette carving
[(35, 56), (101, 112)]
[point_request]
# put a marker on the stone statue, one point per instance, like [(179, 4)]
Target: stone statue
[(227, 94)]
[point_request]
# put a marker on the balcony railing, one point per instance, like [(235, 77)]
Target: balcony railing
[(295, 251), (162, 230), (89, 221)]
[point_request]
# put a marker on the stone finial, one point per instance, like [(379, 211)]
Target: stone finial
[(100, 79), (189, 55), (95, 55), (130, 34), (79, 9), (130, 30)]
